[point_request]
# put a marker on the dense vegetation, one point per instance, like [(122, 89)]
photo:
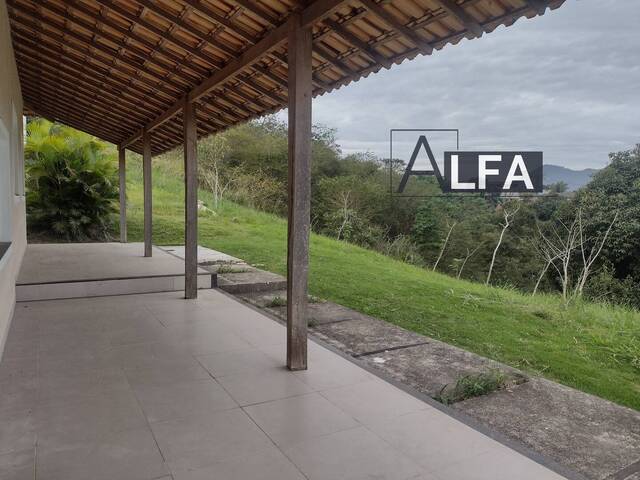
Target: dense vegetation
[(584, 243), (71, 183)]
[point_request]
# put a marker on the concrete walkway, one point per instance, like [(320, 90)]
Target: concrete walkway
[(156, 387)]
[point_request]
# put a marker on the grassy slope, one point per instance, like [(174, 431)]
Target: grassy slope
[(594, 348)]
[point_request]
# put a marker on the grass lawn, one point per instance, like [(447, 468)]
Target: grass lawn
[(592, 347)]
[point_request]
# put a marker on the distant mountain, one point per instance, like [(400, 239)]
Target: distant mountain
[(573, 178)]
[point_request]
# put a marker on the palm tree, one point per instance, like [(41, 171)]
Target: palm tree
[(71, 189)]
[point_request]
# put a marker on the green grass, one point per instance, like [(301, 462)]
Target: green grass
[(592, 347)]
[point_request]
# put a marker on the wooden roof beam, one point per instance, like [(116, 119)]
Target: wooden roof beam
[(258, 11), (171, 69), (72, 121), (455, 10), (74, 66), (251, 55), (358, 43), (139, 21), (214, 17), (377, 9), (317, 11), (160, 85), (130, 33)]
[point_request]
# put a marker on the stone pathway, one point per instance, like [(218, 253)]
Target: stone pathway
[(587, 435)]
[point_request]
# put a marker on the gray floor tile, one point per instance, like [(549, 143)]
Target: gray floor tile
[(177, 400), (331, 373), (19, 394), (243, 361), (292, 420), (151, 354), (432, 439), (70, 366), (18, 465), (22, 348), (373, 401), (355, 454), (17, 431), (200, 440), (17, 370), (500, 463), (69, 424), (80, 385), (141, 330), (129, 454), (199, 342), (179, 371), (271, 384), (265, 464)]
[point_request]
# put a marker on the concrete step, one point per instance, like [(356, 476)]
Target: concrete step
[(107, 286), (234, 275)]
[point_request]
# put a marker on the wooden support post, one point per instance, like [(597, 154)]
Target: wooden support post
[(122, 170), (300, 95), (190, 201), (146, 180)]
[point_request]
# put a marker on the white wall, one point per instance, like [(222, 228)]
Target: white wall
[(12, 203)]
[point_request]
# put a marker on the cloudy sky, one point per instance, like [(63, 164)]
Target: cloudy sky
[(567, 83)]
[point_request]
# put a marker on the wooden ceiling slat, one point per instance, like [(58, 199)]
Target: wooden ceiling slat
[(61, 104), (405, 31), (253, 7), (67, 62), (238, 30), (119, 59), (358, 43), (130, 33)]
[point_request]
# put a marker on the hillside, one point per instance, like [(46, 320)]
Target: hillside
[(595, 348), (573, 178)]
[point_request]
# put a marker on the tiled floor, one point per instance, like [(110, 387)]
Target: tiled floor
[(156, 387)]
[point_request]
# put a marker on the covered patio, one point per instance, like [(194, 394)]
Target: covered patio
[(150, 76), (151, 386), (100, 379)]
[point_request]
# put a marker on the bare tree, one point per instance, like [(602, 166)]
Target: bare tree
[(508, 218), (211, 153), (557, 247), (589, 259), (345, 203), (546, 254), (470, 254), (450, 227)]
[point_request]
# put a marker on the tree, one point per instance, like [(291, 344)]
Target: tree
[(508, 213), (590, 249), (212, 151), (469, 254), (71, 183), (616, 188)]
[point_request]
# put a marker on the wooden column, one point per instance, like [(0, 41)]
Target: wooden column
[(190, 201), (300, 94), (123, 194), (146, 179)]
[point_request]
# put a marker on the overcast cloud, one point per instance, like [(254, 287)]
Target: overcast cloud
[(567, 83)]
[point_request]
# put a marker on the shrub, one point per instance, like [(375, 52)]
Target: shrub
[(470, 386), (71, 189)]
